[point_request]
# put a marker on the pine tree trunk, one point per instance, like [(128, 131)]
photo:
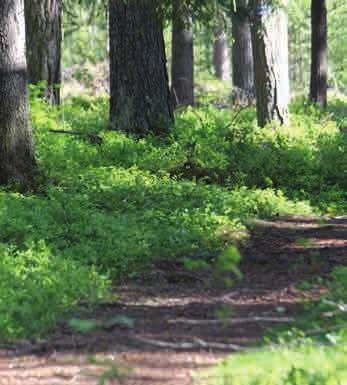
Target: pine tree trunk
[(270, 52), (221, 55), (43, 38), (140, 95), (242, 55), (182, 70), (16, 146), (319, 53)]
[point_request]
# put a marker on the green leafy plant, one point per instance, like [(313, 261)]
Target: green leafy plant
[(118, 208)]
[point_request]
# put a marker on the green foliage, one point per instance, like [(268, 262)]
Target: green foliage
[(306, 161), (37, 288), (306, 365), (121, 216), (339, 285), (85, 31), (300, 358), (117, 208)]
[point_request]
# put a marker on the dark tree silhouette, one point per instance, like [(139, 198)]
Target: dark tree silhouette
[(182, 71), (319, 52), (140, 96), (43, 38)]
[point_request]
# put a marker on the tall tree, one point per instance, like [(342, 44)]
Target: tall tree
[(16, 146), (319, 52), (221, 54), (270, 52), (140, 95), (182, 70), (43, 38), (242, 55)]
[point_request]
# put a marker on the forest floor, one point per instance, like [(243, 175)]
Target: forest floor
[(177, 332)]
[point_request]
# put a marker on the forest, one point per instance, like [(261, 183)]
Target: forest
[(173, 192)]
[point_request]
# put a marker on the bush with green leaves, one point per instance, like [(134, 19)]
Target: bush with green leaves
[(120, 203), (307, 161), (37, 288), (118, 207)]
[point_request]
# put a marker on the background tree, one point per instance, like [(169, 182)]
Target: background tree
[(182, 68), (299, 45), (85, 32), (16, 146), (242, 55), (43, 39), (221, 52), (270, 52), (319, 53), (140, 95)]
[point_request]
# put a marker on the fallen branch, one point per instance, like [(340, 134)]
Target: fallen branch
[(328, 329), (197, 344), (232, 321), (92, 138)]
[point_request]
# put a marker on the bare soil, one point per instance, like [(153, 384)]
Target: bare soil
[(177, 329)]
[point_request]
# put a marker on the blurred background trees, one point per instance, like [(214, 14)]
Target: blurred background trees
[(86, 26)]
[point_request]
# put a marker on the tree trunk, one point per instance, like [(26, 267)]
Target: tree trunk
[(43, 38), (319, 53), (140, 95), (242, 55), (16, 146), (221, 56), (182, 69), (270, 52)]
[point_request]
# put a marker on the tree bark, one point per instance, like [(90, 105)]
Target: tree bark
[(43, 38), (319, 53), (242, 55), (16, 145), (140, 95), (182, 70), (221, 54), (270, 52)]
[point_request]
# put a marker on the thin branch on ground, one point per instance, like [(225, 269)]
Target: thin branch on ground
[(196, 344), (233, 321)]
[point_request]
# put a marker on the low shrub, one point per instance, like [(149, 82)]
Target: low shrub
[(37, 288), (116, 208)]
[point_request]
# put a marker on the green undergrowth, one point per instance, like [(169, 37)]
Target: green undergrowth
[(314, 352), (38, 287), (306, 161), (111, 210), (305, 365)]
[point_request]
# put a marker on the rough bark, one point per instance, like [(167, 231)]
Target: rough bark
[(43, 37), (182, 70), (221, 54), (140, 96), (16, 146), (242, 55), (270, 53), (319, 53)]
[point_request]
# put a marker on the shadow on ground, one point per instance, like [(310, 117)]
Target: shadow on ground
[(177, 329)]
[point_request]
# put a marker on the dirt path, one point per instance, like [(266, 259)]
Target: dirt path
[(177, 330)]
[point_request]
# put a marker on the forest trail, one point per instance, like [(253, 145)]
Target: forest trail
[(177, 331)]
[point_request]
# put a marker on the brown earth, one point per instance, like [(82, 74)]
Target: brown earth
[(177, 329)]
